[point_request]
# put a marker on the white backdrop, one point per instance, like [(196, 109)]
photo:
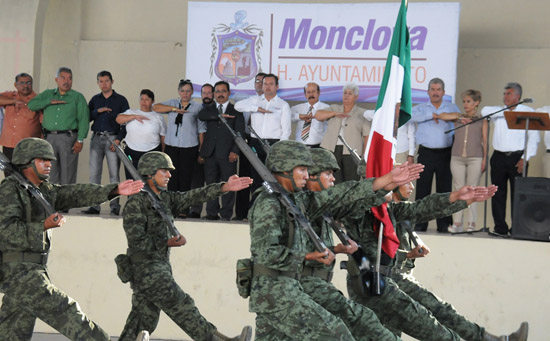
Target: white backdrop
[(330, 44)]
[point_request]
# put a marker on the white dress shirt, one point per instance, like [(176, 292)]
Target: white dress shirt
[(275, 125), (318, 128), (510, 140)]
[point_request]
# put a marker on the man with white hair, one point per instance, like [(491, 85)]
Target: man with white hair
[(347, 120)]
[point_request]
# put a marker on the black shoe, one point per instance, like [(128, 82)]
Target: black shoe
[(442, 231), (225, 219), (194, 215), (90, 210), (115, 211), (212, 217)]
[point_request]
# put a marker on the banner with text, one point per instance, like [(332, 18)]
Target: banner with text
[(329, 44)]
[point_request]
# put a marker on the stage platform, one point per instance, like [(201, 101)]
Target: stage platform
[(495, 282)]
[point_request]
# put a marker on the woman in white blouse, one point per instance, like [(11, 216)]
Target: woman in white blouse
[(145, 129)]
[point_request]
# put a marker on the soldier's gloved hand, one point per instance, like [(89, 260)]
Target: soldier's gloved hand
[(326, 257), (54, 220), (176, 241)]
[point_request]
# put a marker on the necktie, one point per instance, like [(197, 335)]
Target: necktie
[(307, 126), (220, 109)]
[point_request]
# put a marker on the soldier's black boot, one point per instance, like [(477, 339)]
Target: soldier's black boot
[(143, 336), (520, 334), (246, 335), (490, 337)]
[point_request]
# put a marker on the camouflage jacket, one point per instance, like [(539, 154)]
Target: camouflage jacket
[(360, 225), (324, 230), (22, 217), (145, 229), (269, 233)]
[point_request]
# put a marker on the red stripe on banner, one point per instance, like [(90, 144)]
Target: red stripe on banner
[(381, 149)]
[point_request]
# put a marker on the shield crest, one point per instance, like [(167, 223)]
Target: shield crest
[(236, 61)]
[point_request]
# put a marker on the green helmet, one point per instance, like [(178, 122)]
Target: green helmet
[(284, 156), (30, 148), (323, 160), (152, 161)]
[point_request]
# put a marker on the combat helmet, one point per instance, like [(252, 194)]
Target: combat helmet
[(284, 156), (30, 148), (323, 160), (151, 161)]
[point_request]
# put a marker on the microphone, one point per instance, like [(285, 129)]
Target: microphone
[(528, 100)]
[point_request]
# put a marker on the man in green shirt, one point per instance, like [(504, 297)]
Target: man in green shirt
[(65, 124)]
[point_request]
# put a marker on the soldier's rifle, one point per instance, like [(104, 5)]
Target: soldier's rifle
[(6, 165), (357, 159), (413, 236), (155, 203), (273, 187)]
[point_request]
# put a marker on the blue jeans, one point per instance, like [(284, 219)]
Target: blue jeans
[(99, 148)]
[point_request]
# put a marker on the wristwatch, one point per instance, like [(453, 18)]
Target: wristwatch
[(80, 141)]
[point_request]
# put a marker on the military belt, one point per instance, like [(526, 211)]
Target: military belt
[(386, 270), (260, 269), (311, 271), (141, 256), (25, 257)]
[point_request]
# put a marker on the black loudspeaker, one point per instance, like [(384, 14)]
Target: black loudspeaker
[(532, 209)]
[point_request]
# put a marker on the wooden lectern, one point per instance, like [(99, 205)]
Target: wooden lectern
[(527, 120)]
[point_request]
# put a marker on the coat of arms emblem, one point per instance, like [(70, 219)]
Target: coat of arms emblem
[(236, 50)]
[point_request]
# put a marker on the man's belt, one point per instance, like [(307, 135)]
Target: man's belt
[(25, 257), (311, 271), (515, 152), (99, 133), (69, 132), (435, 149), (260, 269)]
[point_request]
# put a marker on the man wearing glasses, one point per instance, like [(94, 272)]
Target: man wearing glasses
[(19, 120)]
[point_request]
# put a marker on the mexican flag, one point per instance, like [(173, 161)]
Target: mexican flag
[(395, 90)]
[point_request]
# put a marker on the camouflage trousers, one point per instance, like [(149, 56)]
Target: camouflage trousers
[(445, 313), (399, 312), (154, 290), (360, 320), (286, 312), (29, 294)]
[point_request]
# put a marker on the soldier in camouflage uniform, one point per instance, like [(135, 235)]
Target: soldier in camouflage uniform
[(360, 320), (279, 247), (25, 240), (395, 308), (445, 313), (149, 243)]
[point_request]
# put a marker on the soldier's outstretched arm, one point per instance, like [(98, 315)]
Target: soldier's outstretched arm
[(128, 187), (236, 183), (472, 194), (398, 176)]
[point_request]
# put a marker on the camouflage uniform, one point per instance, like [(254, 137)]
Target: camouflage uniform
[(443, 311), (395, 308), (284, 310), (360, 320), (153, 285), (28, 291)]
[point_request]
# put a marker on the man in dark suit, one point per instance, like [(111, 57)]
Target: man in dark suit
[(218, 150)]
